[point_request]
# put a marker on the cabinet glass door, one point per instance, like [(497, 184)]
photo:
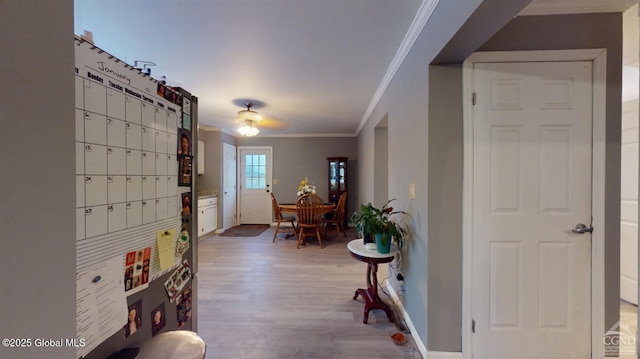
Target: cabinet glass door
[(333, 176), (341, 176)]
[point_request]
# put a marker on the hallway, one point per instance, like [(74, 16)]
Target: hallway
[(261, 300)]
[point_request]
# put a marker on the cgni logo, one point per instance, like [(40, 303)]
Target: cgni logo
[(619, 340)]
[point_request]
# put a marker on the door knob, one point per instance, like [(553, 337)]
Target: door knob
[(581, 228)]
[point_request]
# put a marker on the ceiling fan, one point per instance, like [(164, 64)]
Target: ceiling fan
[(250, 121), (250, 118)]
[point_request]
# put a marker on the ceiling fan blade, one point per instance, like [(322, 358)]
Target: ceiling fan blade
[(272, 124), (257, 120)]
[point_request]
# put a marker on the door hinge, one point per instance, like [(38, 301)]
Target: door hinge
[(473, 99), (473, 325)]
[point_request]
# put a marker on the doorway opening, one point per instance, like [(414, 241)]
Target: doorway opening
[(381, 162)]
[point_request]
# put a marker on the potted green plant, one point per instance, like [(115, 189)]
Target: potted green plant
[(377, 223), (364, 222)]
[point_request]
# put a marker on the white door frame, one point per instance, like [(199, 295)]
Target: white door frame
[(598, 57), (240, 177), (235, 185)]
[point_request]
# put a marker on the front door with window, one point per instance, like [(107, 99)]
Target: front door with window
[(255, 185)]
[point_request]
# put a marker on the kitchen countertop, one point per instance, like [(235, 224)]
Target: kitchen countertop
[(207, 193), (205, 196)]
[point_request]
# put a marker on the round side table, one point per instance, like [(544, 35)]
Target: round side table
[(372, 258)]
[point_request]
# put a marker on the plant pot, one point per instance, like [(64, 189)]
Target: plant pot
[(368, 239), (383, 242)]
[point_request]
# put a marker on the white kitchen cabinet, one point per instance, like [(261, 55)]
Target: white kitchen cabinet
[(207, 215), (200, 157)]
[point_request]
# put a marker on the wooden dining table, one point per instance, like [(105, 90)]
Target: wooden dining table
[(291, 207)]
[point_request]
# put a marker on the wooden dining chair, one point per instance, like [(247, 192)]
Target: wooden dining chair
[(279, 218), (338, 217), (309, 209)]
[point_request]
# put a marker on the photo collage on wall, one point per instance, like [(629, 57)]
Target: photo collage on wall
[(136, 270), (183, 307), (177, 285), (185, 144), (185, 156), (178, 281), (182, 243)]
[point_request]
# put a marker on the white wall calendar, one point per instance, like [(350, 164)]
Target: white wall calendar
[(126, 160)]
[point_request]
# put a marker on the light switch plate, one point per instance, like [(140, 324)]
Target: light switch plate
[(412, 190)]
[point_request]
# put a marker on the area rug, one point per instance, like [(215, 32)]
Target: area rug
[(245, 230)]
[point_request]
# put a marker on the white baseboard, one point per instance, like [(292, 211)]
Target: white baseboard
[(414, 333), (629, 290), (443, 355)]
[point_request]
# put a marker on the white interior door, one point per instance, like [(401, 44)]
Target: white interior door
[(229, 195), (255, 185), (532, 172)]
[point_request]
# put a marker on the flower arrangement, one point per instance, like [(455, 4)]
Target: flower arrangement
[(306, 187), (371, 221)]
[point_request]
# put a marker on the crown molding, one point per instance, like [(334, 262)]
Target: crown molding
[(203, 127), (308, 135), (422, 16), (278, 135), (555, 7)]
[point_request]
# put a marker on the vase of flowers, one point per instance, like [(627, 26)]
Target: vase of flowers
[(378, 223), (306, 187)]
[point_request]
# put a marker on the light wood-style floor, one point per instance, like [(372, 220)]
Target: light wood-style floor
[(261, 300), (629, 327)]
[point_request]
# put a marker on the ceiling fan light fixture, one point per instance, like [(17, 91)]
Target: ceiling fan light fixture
[(249, 114), (248, 130)]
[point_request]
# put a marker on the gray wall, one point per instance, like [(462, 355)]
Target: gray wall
[(37, 176), (585, 32), (212, 178), (406, 103), (445, 205)]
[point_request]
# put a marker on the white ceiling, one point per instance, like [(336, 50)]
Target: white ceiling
[(315, 65)]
